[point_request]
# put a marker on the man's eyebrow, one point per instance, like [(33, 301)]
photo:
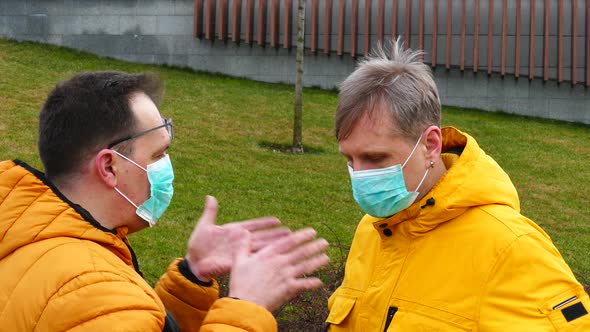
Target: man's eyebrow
[(373, 154), (369, 154)]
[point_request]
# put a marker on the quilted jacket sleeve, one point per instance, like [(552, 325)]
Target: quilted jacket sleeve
[(197, 307), (533, 289)]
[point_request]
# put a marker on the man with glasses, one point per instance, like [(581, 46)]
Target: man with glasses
[(65, 261)]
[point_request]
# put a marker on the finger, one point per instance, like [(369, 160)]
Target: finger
[(296, 287), (311, 265), (210, 211), (254, 225), (263, 238), (289, 242), (306, 250), (305, 284), (241, 250)]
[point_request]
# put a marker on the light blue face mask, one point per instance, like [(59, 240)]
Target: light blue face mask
[(382, 192), (160, 175)]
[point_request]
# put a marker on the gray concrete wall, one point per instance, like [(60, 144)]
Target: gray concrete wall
[(160, 31)]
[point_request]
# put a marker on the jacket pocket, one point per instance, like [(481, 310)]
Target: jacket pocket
[(413, 316), (569, 311), (340, 310), (417, 321)]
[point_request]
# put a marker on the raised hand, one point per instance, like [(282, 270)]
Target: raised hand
[(276, 273), (211, 246)]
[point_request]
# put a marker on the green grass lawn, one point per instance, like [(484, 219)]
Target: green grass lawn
[(222, 128)]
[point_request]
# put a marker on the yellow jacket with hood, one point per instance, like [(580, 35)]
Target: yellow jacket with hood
[(60, 270), (461, 259)]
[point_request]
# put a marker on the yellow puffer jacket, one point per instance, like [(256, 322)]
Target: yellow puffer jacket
[(461, 259), (60, 270)]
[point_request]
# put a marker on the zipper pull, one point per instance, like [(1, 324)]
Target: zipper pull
[(390, 313)]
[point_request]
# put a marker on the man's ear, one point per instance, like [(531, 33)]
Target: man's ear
[(433, 137), (106, 168)]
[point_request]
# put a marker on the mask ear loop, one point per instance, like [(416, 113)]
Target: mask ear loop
[(129, 160), (127, 198), (411, 153), (424, 177), (410, 156), (134, 163)]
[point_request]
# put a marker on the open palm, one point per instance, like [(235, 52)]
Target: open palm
[(210, 246)]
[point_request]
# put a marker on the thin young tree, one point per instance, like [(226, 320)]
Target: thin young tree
[(297, 147)]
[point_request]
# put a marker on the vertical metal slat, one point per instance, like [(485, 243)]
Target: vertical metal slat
[(198, 19), (262, 22), (236, 21), (587, 42), (394, 20), (287, 23), (517, 40), (367, 27), (421, 28), (490, 34), (274, 23), (381, 21), (408, 22), (314, 26), (574, 40), (532, 42), (476, 39), (546, 42), (449, 22), (223, 17), (560, 17), (210, 20), (341, 27), (327, 26), (353, 28), (463, 27), (504, 28), (249, 20), (434, 31)]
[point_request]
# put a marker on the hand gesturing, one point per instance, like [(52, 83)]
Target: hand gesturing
[(278, 272), (210, 246)]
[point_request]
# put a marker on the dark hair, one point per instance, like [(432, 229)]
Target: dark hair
[(83, 114)]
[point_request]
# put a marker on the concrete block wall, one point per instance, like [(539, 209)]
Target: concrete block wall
[(160, 32)]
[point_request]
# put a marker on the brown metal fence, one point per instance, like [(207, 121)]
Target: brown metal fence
[(547, 39)]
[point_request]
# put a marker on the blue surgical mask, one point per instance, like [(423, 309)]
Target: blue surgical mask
[(160, 175), (382, 192)]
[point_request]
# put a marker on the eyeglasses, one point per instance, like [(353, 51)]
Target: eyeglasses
[(167, 124)]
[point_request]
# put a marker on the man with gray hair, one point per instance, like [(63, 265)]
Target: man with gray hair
[(443, 246)]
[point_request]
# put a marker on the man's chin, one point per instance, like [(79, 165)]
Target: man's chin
[(137, 225)]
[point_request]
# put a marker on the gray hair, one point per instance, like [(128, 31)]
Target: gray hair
[(399, 84)]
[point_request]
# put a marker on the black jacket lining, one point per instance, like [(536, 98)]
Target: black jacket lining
[(186, 272)]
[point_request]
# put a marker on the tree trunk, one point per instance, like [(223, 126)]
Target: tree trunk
[(297, 123)]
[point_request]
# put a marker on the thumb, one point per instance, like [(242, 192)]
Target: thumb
[(210, 212)]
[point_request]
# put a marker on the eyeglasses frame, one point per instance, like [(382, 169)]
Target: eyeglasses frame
[(167, 124)]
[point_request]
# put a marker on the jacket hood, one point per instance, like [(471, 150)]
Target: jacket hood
[(473, 179), (32, 209)]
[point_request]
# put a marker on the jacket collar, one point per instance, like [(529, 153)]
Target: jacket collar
[(26, 190), (472, 179)]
